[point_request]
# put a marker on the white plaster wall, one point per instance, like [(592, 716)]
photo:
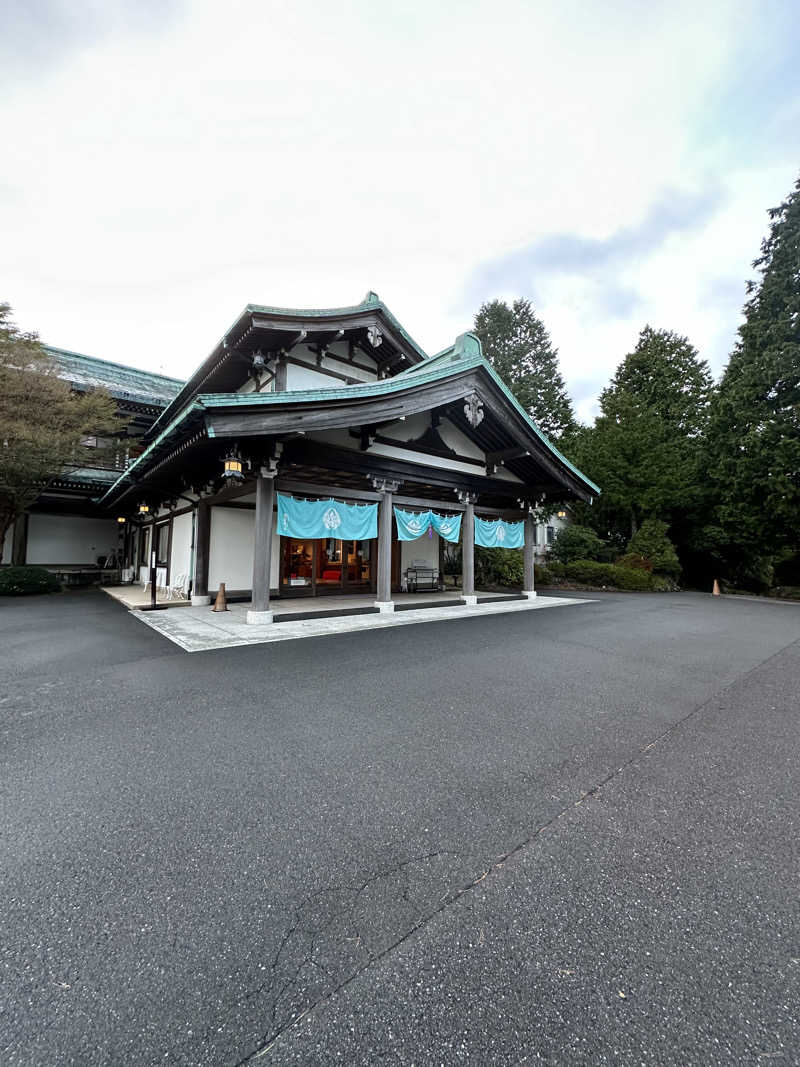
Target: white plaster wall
[(180, 561), (8, 544), (231, 548), (454, 438), (69, 538), (424, 548), (393, 452), (306, 378)]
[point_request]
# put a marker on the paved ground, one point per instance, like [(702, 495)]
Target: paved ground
[(565, 836), (199, 629)]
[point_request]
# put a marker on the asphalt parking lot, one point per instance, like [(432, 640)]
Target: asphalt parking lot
[(563, 836)]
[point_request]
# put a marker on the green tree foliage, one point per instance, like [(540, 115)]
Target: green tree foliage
[(518, 346), (651, 542), (576, 542), (754, 436), (42, 421), (644, 449)]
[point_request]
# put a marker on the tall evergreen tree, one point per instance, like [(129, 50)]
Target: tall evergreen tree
[(518, 346), (754, 440), (644, 449)]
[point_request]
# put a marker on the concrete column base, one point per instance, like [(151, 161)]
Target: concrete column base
[(470, 601), (200, 601), (385, 607), (529, 593), (259, 618)]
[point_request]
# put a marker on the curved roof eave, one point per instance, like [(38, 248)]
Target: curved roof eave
[(400, 383), (370, 303)]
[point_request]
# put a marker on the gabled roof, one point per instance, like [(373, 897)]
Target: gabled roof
[(258, 321), (463, 357), (123, 383)]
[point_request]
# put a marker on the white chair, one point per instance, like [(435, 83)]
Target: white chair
[(177, 587)]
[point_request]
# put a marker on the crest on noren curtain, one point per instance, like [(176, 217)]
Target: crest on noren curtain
[(332, 520)]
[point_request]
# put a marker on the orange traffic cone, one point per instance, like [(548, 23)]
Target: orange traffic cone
[(221, 603), (715, 590)]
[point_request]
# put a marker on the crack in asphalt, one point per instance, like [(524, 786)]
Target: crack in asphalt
[(277, 1029)]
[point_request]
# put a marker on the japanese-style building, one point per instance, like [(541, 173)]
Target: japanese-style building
[(307, 450)]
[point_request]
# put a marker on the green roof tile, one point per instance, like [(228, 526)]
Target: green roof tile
[(124, 383)]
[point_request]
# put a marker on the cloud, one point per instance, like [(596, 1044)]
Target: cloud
[(598, 262), (39, 35)]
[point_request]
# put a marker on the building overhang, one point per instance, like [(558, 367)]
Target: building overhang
[(271, 331), (466, 390)]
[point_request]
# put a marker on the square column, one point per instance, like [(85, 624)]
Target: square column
[(202, 540), (528, 589), (468, 548), (262, 552), (385, 487)]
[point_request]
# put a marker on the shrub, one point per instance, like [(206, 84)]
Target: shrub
[(590, 572), (574, 543), (542, 575), (498, 566), (651, 541), (635, 562), (556, 569), (21, 581)]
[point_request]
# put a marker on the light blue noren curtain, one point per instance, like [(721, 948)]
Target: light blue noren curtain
[(414, 524), (499, 534), (447, 526), (326, 518)]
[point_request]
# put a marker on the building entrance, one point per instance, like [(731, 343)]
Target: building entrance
[(315, 567)]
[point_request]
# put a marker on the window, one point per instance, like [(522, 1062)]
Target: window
[(551, 534), (162, 544)]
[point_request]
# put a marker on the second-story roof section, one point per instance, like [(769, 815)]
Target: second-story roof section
[(123, 383), (271, 331), (506, 433)]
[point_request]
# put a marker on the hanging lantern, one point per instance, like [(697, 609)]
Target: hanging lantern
[(561, 514), (233, 469), (144, 509)]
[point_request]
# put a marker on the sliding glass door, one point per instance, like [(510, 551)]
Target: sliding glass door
[(326, 566)]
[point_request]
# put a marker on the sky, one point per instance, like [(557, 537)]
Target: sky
[(166, 162)]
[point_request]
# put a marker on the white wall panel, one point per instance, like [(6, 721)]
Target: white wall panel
[(306, 378), (424, 548), (231, 548), (70, 539), (181, 556)]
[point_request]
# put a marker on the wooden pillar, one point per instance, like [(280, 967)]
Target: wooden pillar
[(468, 548), (528, 588), (386, 488), (19, 545), (202, 542), (262, 554), (280, 374)]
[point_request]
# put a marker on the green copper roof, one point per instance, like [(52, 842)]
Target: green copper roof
[(371, 300), (463, 355), (98, 476), (124, 383)]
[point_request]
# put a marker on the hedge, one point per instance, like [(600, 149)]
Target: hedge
[(588, 572), (22, 581)]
